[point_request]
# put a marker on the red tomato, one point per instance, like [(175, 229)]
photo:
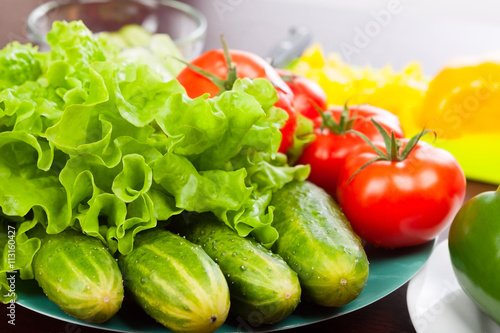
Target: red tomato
[(401, 203), (306, 94), (247, 65), (326, 154)]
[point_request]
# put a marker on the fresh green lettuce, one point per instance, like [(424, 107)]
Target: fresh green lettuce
[(91, 142)]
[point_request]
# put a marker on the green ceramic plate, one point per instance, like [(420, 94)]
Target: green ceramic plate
[(389, 270)]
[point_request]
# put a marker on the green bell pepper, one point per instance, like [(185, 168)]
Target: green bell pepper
[(474, 245)]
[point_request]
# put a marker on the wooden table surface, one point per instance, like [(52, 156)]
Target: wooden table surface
[(255, 26)]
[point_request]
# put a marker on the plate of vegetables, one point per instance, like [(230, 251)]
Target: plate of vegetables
[(144, 201)]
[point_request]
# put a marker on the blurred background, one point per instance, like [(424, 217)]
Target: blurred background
[(364, 31)]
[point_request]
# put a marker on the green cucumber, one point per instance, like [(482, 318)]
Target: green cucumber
[(262, 287), (176, 282), (78, 273), (317, 241)]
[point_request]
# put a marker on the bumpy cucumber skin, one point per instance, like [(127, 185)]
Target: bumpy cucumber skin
[(78, 273), (176, 282), (262, 287), (317, 241)]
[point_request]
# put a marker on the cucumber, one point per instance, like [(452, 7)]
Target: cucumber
[(78, 273), (262, 287), (176, 282), (317, 241)]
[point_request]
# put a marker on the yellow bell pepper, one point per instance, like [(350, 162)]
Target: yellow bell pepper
[(462, 105), (398, 92)]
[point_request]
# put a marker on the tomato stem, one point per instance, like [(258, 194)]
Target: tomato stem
[(345, 123), (289, 78), (413, 142), (392, 146), (231, 76), (376, 159), (222, 84), (395, 148)]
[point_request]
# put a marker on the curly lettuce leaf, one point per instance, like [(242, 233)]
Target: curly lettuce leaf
[(201, 191), (163, 203), (27, 182), (16, 252), (303, 136), (255, 217), (86, 176), (122, 102), (188, 132), (211, 131), (18, 64), (261, 89), (116, 223), (73, 43), (241, 111), (141, 94), (265, 134), (266, 173), (29, 107), (135, 178), (114, 203)]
